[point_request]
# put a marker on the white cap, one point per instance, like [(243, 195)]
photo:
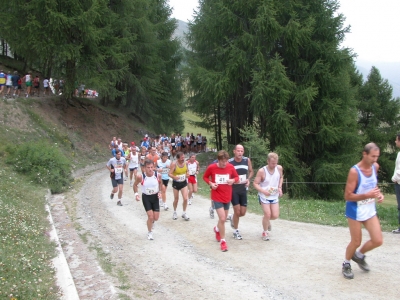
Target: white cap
[(146, 135)]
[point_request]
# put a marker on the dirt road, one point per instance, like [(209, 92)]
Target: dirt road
[(301, 261)]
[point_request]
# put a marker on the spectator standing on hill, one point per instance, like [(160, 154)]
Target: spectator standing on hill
[(220, 177), (360, 193), (16, 84), (3, 79), (46, 86), (28, 83), (36, 85), (396, 180), (268, 183), (8, 83), (117, 165)]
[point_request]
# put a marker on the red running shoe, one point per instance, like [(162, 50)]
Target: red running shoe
[(224, 246), (217, 235)]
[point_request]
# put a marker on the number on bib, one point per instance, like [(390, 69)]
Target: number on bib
[(221, 179)]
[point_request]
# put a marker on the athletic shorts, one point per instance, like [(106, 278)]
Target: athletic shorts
[(151, 202), (36, 86), (183, 146), (178, 185), (268, 201), (239, 198), (198, 144), (19, 87), (2, 84), (192, 179), (179, 144), (28, 83), (218, 205), (165, 182), (8, 86), (132, 169), (115, 182)]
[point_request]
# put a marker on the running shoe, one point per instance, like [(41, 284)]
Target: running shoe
[(232, 225), (396, 230), (119, 203), (150, 236), (174, 216), (224, 246), (217, 235), (131, 183), (361, 262), (269, 226), (111, 196), (211, 213), (165, 206), (346, 271), (265, 236), (190, 201), (125, 179), (185, 216), (237, 236)]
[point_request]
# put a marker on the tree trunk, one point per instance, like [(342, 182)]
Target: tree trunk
[(70, 79)]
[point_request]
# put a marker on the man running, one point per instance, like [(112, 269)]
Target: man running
[(133, 163), (163, 166), (153, 156), (220, 177), (179, 172), (244, 169), (193, 168), (151, 186), (117, 165), (360, 193), (268, 183)]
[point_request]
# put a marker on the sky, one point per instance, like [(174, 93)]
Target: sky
[(374, 26)]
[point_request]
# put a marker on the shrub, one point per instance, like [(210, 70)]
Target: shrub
[(44, 163)]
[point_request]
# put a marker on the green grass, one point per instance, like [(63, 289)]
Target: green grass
[(310, 210), (25, 250), (188, 116)]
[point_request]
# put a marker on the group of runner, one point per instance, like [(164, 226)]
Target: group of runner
[(229, 180)]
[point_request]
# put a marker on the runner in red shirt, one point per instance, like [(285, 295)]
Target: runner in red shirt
[(220, 177)]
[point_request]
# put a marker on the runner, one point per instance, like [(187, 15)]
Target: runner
[(179, 172), (8, 83), (173, 146), (220, 177), (153, 156), (3, 79), (187, 143), (117, 165), (193, 168), (15, 79), (163, 166), (143, 153), (244, 169), (151, 186), (126, 153), (133, 164), (167, 148), (199, 143), (28, 82), (360, 193), (112, 143), (268, 183)]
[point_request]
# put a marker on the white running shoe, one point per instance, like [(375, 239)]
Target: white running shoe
[(265, 236), (131, 183), (190, 201), (150, 236), (165, 206), (174, 216), (185, 216)]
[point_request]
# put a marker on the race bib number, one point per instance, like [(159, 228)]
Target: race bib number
[(172, 144), (221, 179), (365, 202), (242, 178), (142, 157), (272, 190), (192, 172), (151, 190), (165, 171), (118, 170), (181, 178)]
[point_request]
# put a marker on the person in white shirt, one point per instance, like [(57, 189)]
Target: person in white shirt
[(46, 86), (396, 180)]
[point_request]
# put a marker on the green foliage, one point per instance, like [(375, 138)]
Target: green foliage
[(43, 163)]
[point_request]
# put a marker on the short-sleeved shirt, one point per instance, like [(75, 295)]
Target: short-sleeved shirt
[(118, 165), (223, 193)]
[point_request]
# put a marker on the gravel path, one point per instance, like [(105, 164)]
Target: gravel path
[(301, 261)]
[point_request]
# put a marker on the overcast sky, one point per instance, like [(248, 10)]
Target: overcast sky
[(374, 26)]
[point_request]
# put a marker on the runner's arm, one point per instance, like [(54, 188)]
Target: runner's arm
[(351, 186), (135, 186), (256, 183)]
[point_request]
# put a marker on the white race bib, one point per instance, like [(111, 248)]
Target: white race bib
[(365, 202), (134, 159), (221, 179), (192, 172), (151, 190), (272, 190), (181, 178), (165, 171), (172, 144), (142, 157), (118, 170), (242, 178)]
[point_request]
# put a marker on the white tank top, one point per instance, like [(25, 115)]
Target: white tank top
[(270, 184), (150, 185), (192, 167), (133, 160)]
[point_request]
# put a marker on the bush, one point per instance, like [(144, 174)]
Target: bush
[(43, 163)]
